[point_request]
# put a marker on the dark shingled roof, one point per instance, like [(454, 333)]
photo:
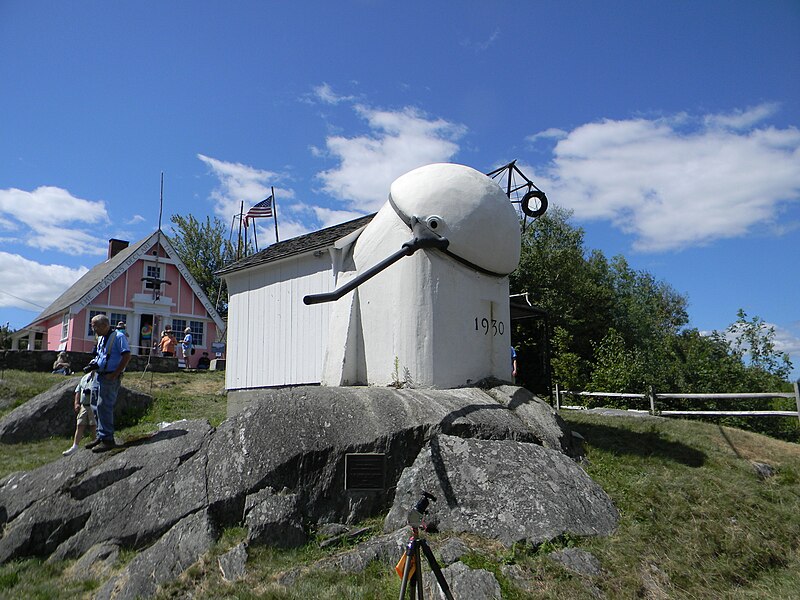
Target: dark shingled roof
[(309, 242)]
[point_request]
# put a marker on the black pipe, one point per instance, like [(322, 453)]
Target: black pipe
[(423, 238)]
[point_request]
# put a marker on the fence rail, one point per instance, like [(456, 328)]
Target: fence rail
[(654, 397)]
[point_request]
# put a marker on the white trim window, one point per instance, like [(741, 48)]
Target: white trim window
[(197, 327), (197, 332), (65, 326), (92, 315), (154, 271)]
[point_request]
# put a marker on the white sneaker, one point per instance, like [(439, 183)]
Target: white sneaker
[(72, 449)]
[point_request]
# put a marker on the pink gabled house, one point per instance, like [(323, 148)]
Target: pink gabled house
[(126, 288)]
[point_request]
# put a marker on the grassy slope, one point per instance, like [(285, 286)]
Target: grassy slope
[(696, 521)]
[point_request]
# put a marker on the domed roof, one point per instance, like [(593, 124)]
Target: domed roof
[(475, 214)]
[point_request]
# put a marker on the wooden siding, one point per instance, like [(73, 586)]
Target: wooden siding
[(273, 338)]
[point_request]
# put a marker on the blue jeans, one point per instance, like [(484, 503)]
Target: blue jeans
[(104, 409)]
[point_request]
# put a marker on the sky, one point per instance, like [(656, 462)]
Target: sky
[(670, 129)]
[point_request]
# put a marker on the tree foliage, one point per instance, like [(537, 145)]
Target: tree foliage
[(5, 337), (616, 329), (753, 340), (204, 250), (587, 296)]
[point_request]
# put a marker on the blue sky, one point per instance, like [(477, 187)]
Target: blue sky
[(671, 129)]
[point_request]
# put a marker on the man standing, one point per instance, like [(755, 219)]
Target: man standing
[(113, 355), (186, 346)]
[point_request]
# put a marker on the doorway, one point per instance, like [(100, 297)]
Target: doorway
[(145, 334)]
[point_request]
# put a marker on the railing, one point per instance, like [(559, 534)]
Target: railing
[(654, 397)]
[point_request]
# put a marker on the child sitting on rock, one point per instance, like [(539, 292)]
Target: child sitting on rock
[(86, 390)]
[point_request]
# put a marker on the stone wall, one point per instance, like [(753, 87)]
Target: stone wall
[(42, 361)]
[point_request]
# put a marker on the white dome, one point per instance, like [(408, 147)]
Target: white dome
[(479, 220)]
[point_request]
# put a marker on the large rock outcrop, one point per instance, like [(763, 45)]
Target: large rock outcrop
[(51, 413), (533, 494), (294, 440)]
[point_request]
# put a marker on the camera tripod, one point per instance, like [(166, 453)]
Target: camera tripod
[(410, 563)]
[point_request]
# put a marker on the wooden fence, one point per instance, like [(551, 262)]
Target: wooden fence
[(653, 397)]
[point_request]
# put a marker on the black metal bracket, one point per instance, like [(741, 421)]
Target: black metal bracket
[(423, 238)]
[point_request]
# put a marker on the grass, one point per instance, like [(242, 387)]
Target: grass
[(182, 395), (696, 521), (18, 386)]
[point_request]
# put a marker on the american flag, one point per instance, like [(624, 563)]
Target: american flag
[(262, 209)]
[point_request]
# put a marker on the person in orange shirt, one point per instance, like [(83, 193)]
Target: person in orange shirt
[(167, 343)]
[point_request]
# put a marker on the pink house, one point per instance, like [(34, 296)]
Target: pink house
[(128, 287)]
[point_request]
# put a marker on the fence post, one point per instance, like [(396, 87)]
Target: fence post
[(652, 394), (797, 396), (558, 398)]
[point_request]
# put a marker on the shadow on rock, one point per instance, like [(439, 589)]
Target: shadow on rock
[(159, 436)]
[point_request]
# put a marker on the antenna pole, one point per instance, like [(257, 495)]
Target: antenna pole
[(157, 288), (239, 243)]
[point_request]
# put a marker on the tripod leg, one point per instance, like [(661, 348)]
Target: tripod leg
[(410, 552), (437, 571), (418, 572)]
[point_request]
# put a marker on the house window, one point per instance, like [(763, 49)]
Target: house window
[(153, 271), (178, 325), (65, 327), (197, 332), (92, 315), (197, 327), (117, 317)]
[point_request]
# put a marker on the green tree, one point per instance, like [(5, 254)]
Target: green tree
[(586, 296), (617, 368), (204, 250), (566, 365), (5, 337), (754, 341), (554, 272)]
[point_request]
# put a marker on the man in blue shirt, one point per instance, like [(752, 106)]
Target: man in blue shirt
[(113, 355)]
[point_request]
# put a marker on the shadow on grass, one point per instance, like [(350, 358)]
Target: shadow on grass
[(645, 444)]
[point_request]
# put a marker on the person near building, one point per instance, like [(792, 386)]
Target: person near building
[(62, 366), (187, 346), (204, 362), (513, 365), (113, 355), (167, 343)]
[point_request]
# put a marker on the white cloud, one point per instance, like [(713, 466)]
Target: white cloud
[(671, 188), (241, 183), (330, 217), (135, 219), (324, 93), (551, 133), (742, 119), (398, 142), (788, 341), (40, 284), (482, 45), (45, 219)]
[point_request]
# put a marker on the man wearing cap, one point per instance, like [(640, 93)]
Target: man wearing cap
[(113, 355)]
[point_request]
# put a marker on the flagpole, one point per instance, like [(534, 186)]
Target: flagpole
[(255, 236), (275, 214), (239, 243)]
